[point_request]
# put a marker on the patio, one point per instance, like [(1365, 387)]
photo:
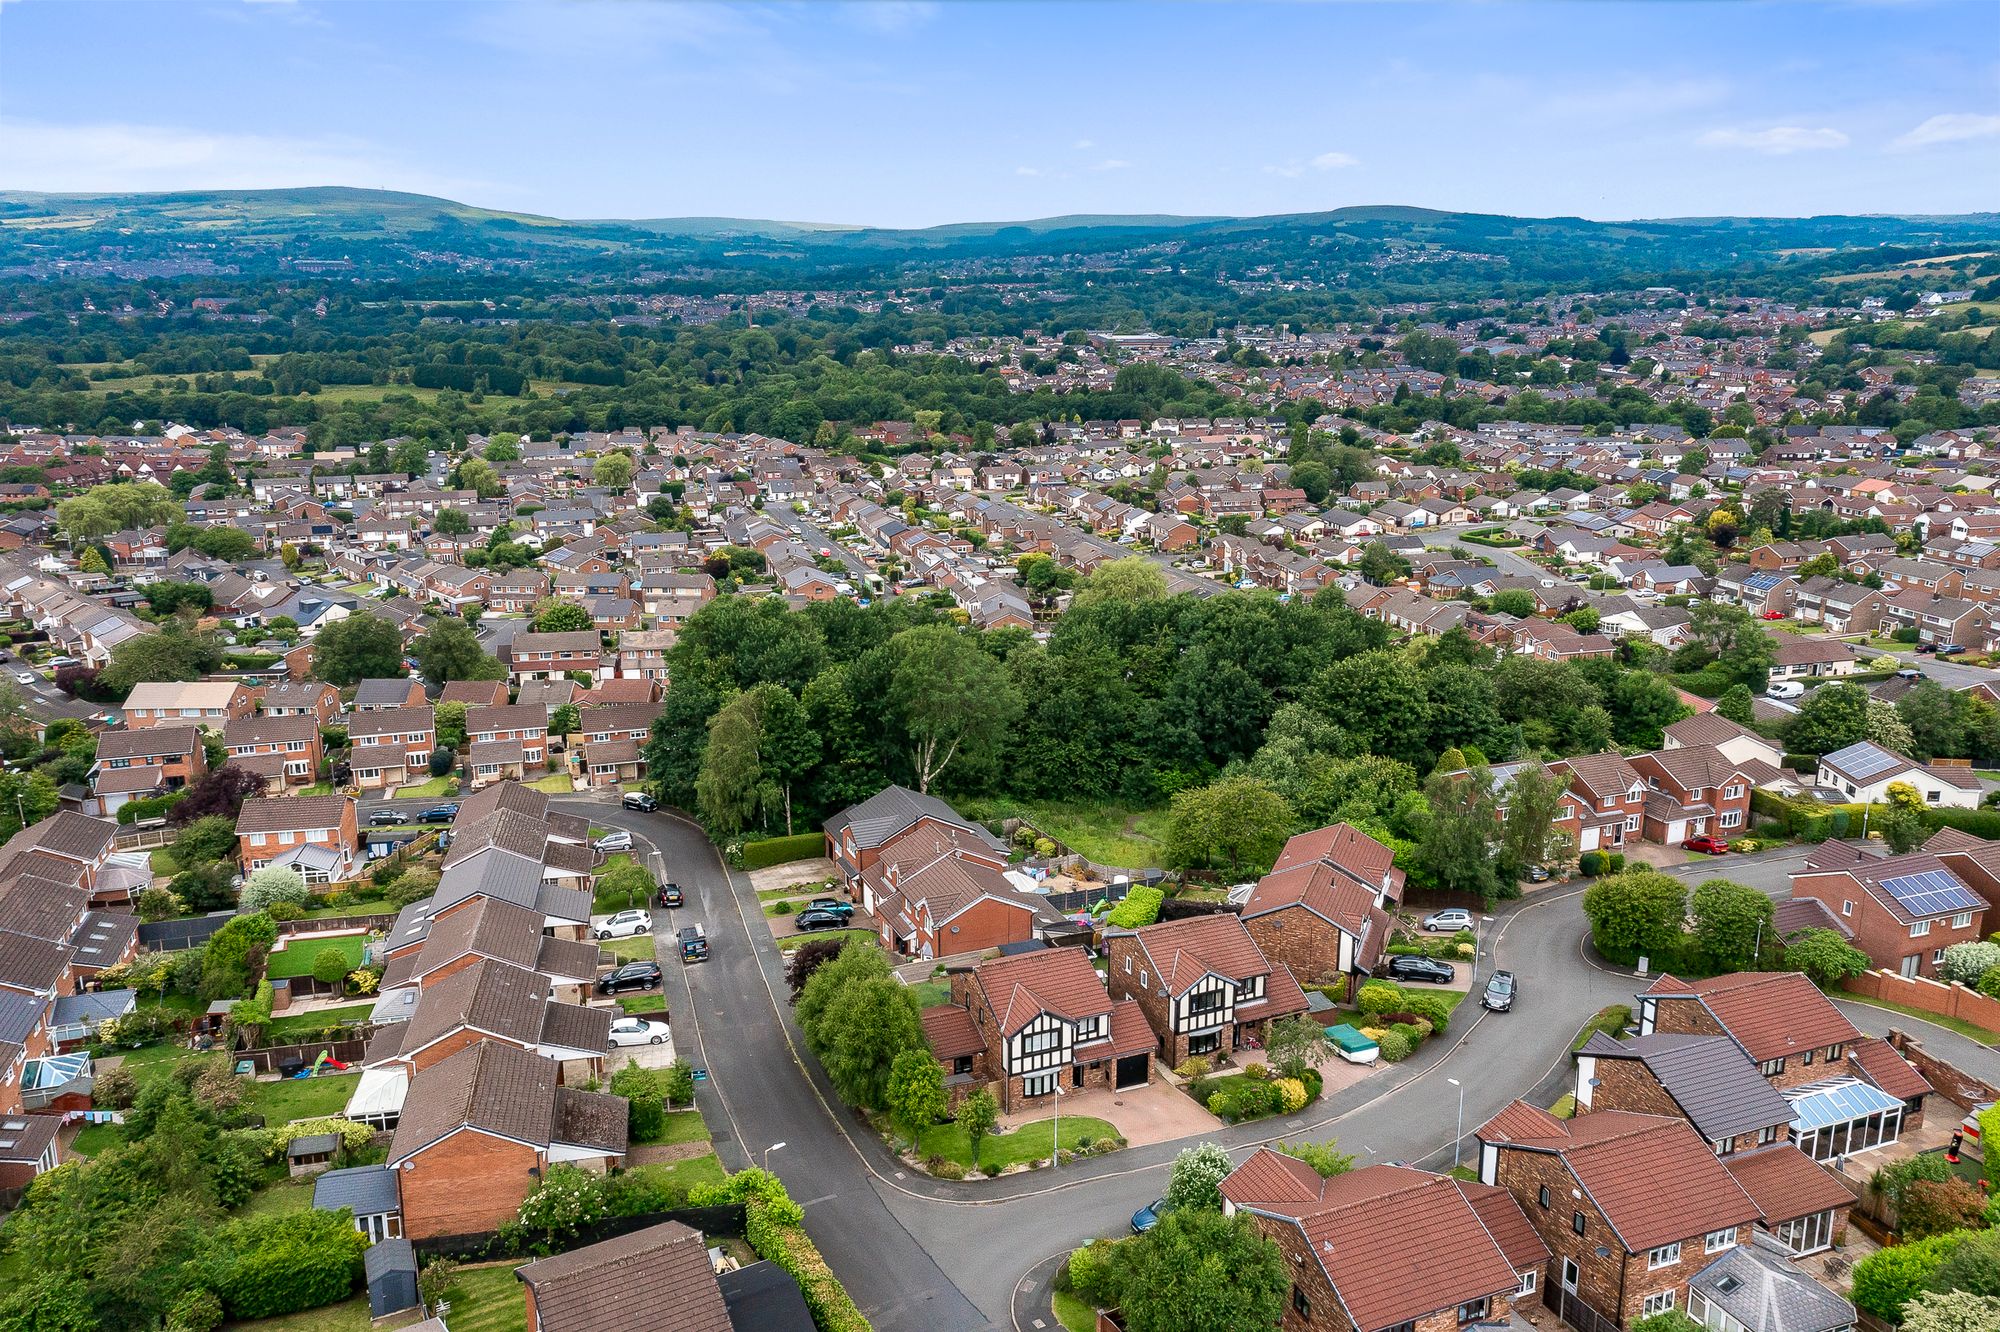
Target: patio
[(1156, 1112)]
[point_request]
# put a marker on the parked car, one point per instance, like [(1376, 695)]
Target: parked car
[(1148, 1216), (1950, 649), (1909, 673), (1784, 689), (694, 944), (25, 677), (384, 818), (1713, 846), (1774, 615), (643, 975), (845, 910), (1538, 874), (626, 923), (640, 801), (615, 840), (438, 814), (670, 895), (1408, 966), (1926, 647), (1499, 995), (638, 1031), (820, 920), (1448, 922)]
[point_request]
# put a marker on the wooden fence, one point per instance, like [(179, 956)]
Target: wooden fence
[(139, 839), (347, 1051)]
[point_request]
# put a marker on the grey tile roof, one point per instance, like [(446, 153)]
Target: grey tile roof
[(892, 809), (1758, 1285), (510, 878), (1712, 1081)]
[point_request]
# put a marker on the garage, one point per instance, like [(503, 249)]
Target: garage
[(1130, 1071)]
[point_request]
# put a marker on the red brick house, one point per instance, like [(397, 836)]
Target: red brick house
[(663, 1269), (1479, 1254), (934, 893), (1607, 803), (391, 747), (386, 695), (1203, 983), (268, 829), (1904, 911), (855, 836), (1692, 791), (510, 741), (1323, 910), (290, 744), (291, 698), (151, 761), (211, 703), (614, 735), (555, 656)]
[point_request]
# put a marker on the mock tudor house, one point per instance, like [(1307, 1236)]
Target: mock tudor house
[(1202, 982), (1903, 911), (1479, 1255), (1037, 1022), (1323, 910)]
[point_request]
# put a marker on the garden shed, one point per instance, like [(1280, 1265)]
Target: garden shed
[(391, 1265)]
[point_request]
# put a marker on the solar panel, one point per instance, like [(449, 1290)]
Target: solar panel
[(1862, 760), (1931, 893)]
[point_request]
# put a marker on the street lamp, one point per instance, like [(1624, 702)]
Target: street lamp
[(1055, 1133), (774, 1147), (1460, 1138)]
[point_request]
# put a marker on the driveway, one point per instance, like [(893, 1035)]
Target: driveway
[(1142, 1115)]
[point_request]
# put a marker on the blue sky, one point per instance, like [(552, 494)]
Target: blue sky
[(910, 114)]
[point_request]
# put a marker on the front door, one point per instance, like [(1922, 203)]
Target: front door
[(1570, 1271), (1911, 963), (1076, 1076)]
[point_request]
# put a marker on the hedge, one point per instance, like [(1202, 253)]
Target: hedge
[(1140, 908), (1813, 822), (781, 850), (775, 1227), (132, 811), (1709, 683), (1491, 536)]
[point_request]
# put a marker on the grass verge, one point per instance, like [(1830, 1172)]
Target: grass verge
[(1032, 1141), (487, 1299), (1073, 1313), (788, 943), (1611, 1021)]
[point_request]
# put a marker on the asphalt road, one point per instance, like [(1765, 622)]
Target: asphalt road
[(815, 536)]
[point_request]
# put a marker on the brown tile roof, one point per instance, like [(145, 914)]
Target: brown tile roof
[(491, 997), (502, 830), (32, 964), (512, 717), (148, 742), (1769, 1013), (1130, 1034), (1881, 1065), (1621, 1159), (1183, 951), (1348, 849), (485, 926), (365, 726), (1710, 728), (590, 1119), (951, 1032), (1320, 889), (501, 795), (292, 813), (652, 1280), (1698, 766), (567, 959), (474, 693), (488, 1085), (1797, 914), (1785, 1183), (69, 835), (270, 730), (1447, 1252), (1054, 980), (1606, 776)]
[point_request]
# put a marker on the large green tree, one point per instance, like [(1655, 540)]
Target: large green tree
[(450, 650), (1640, 911), (1231, 827), (173, 653), (954, 702), (1732, 923), (1199, 1271), (360, 647)]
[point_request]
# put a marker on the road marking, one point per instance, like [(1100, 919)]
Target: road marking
[(824, 1197)]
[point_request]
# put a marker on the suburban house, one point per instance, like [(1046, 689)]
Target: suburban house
[(319, 835), (388, 748), (614, 736), (1323, 910), (290, 698), (1864, 771), (855, 836), (507, 742), (480, 1127), (1479, 1254), (67, 848), (1903, 911), (1692, 791), (659, 1278), (1739, 744), (554, 656), (1630, 1206), (474, 693), (1202, 982), (287, 747), (151, 761), (934, 894), (210, 703), (1849, 1092), (473, 929), (386, 695), (1605, 802), (1038, 1021)]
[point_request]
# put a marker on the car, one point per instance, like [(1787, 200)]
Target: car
[(638, 1031), (1538, 874), (624, 923), (438, 814), (1909, 673), (640, 801), (384, 818), (1499, 994), (25, 677), (1784, 689), (615, 840), (1448, 922), (839, 908), (1713, 846), (1926, 647), (694, 944), (1410, 967), (820, 920), (1950, 649), (643, 975), (1148, 1216), (1774, 615), (670, 895)]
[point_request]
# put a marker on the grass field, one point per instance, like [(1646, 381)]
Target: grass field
[(683, 1126), (284, 1027), (1108, 834), (789, 942), (1611, 1021), (297, 959), (281, 1198), (1030, 1142), (686, 1174), (931, 993)]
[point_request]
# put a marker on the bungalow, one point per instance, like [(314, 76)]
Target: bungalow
[(1864, 771)]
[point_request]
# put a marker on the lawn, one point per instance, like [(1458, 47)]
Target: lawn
[(162, 861), (487, 1299), (555, 784), (297, 959), (1611, 1021), (367, 906), (350, 1315), (1074, 1314), (299, 1098), (788, 943), (1107, 834), (1959, 1025), (931, 993), (282, 1027), (678, 1175), (629, 949), (682, 1126), (642, 1003), (1030, 1142), (433, 788), (280, 1198)]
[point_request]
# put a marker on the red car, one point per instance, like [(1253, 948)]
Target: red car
[(1774, 615), (1714, 846)]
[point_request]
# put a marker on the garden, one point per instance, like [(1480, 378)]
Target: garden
[(1944, 1273)]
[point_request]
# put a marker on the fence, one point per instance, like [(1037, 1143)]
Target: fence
[(1083, 899), (728, 1219), (1569, 1307), (328, 924), (172, 936), (1928, 996), (348, 1051), (139, 839)]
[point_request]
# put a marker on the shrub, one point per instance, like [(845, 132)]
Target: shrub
[(1886, 1279), (159, 904), (281, 1265), (1894, 1180), (234, 954), (1968, 963), (115, 1089), (1256, 1072), (1140, 908), (1291, 1095), (1193, 1068), (1972, 1264), (1195, 1179), (199, 1310), (1093, 1274), (646, 1118), (1934, 1206), (567, 1200), (1432, 1008), (1394, 1045), (329, 965), (1379, 996), (1413, 1032), (1590, 863), (678, 1084), (274, 883), (782, 850), (1673, 1320)]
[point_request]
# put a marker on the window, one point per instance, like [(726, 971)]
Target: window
[(1805, 1060), (1771, 1068), (1961, 920), (1300, 1304), (1834, 1052), (1769, 1133), (1724, 1146), (1128, 966), (1527, 1282), (1041, 1042), (1718, 1240), (1632, 823), (1731, 818), (1732, 791), (1657, 1303), (1474, 1310), (1576, 1222), (1920, 929), (1038, 1084), (1545, 1195), (1847, 908), (1664, 1256), (1937, 956)]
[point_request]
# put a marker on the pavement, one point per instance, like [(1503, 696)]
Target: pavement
[(816, 537)]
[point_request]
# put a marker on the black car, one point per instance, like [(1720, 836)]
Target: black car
[(1414, 968), (821, 920), (631, 976), (385, 818), (438, 814), (1499, 995), (844, 910), (640, 801), (670, 895)]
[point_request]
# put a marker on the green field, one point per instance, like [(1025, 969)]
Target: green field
[(297, 959), (1107, 834), (284, 1027), (1030, 1142)]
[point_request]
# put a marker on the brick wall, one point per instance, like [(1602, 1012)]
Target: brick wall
[(1124, 952), (1627, 1084), (1308, 1277), (1306, 943), (1929, 996), (469, 1182), (1951, 1082)]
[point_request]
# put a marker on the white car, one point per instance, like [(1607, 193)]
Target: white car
[(638, 1031), (1448, 922), (615, 840), (626, 923), (24, 677)]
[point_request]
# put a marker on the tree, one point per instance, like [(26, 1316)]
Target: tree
[(478, 476), (1951, 1311), (167, 598), (1638, 912), (915, 1097), (627, 880), (451, 522), (1831, 717), (807, 958), (1515, 601), (1966, 963), (1232, 826), (1731, 923), (1325, 1159), (1903, 828), (1293, 1044), (433, 1281), (1528, 835), (329, 966), (1379, 564), (360, 647), (1131, 579), (1584, 619), (613, 471), (977, 1114), (273, 884), (206, 840), (1199, 1271), (954, 701), (1938, 1206), (1825, 957), (219, 794), (1738, 705), (1742, 649), (26, 799), (1381, 698), (553, 615), (857, 1017), (451, 650), (171, 654), (1971, 1262), (1195, 1180)]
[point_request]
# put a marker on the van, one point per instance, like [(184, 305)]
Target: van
[(694, 944), (1785, 689)]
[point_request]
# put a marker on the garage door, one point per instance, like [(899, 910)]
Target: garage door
[(1130, 1071)]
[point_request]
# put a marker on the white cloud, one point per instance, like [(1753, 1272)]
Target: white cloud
[(113, 158), (1112, 164), (1955, 127), (1334, 161), (1295, 167), (1082, 144), (1776, 141), (1027, 171)]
